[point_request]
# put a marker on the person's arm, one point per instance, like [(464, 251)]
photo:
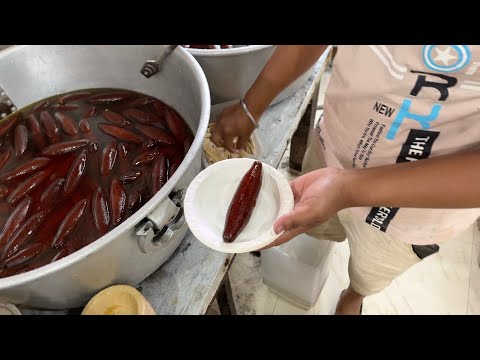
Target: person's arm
[(445, 182), (287, 64)]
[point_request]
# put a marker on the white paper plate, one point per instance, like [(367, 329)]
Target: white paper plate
[(210, 193)]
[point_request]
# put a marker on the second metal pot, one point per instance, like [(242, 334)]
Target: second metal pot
[(231, 72)]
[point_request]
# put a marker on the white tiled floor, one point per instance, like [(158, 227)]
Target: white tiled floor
[(438, 285), (474, 283), (445, 283)]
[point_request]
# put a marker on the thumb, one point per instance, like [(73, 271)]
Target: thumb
[(302, 215)]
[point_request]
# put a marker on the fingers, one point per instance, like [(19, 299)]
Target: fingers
[(229, 145), (221, 138), (242, 142), (302, 215), (216, 135), (232, 123), (300, 184), (287, 236)]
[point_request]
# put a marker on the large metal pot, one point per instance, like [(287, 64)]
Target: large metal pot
[(231, 72), (135, 249)]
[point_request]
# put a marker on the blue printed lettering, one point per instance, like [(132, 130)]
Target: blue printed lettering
[(404, 113)]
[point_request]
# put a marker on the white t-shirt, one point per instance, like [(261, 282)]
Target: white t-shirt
[(391, 104)]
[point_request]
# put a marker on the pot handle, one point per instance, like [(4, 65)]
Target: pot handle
[(162, 225)]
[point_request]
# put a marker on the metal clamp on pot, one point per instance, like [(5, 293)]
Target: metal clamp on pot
[(6, 105), (163, 224)]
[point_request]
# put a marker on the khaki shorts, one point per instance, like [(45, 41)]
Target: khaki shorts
[(375, 257)]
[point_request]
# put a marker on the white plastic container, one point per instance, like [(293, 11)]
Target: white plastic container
[(298, 269)]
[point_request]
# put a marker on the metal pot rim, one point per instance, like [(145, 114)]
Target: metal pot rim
[(135, 219), (228, 52)]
